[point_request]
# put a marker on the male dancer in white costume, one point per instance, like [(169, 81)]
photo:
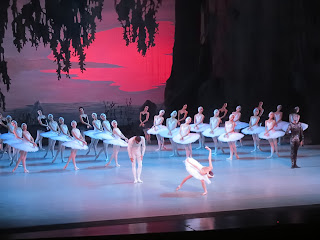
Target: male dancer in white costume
[(136, 150)]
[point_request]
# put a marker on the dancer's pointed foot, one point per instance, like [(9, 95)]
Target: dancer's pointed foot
[(229, 158), (163, 148), (278, 154), (271, 156), (135, 181), (117, 165), (158, 149), (65, 167), (259, 148), (76, 168), (254, 150), (107, 164), (140, 181), (26, 171), (178, 187), (204, 193), (237, 157)]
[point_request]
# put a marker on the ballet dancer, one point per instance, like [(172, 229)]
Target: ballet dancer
[(185, 138), (157, 128), (146, 123), (296, 138), (170, 131), (196, 170), (291, 118), (25, 145), (182, 114), (271, 135), (64, 136), (136, 149), (97, 128), (11, 139), (117, 142), (215, 131), (260, 108), (83, 124), (77, 143), (198, 126), (231, 136), (279, 123), (54, 132), (223, 110), (254, 129), (239, 125), (3, 129), (8, 135), (42, 120), (104, 135)]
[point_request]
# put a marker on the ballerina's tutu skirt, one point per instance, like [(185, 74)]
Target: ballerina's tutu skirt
[(103, 136), (201, 127), (7, 136), (194, 172), (272, 134), (254, 130), (190, 138), (75, 144), (165, 133), (50, 134), (116, 142), (62, 138), (156, 130), (25, 146), (281, 125), (240, 125), (216, 132), (286, 125), (92, 133), (231, 137), (12, 141)]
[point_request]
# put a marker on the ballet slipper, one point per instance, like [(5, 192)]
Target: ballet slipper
[(117, 165), (229, 158), (135, 181), (204, 193), (107, 164), (254, 150), (140, 181), (158, 149), (178, 187), (26, 171), (76, 168), (271, 156)]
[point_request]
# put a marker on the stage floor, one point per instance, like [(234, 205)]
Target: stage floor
[(49, 195)]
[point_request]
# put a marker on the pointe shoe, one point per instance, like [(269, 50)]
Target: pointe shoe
[(140, 181), (65, 167), (107, 164), (271, 156), (229, 158), (205, 193), (178, 188), (26, 171), (76, 168), (254, 150), (158, 149), (237, 157), (135, 181), (117, 165)]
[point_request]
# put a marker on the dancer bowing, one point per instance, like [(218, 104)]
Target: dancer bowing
[(106, 134), (145, 123), (198, 126), (136, 150), (42, 120), (83, 124), (271, 135), (54, 132), (196, 170), (77, 143), (231, 136), (97, 128), (25, 145), (117, 142), (64, 136), (215, 131), (182, 114), (157, 128), (185, 138), (254, 129), (170, 131)]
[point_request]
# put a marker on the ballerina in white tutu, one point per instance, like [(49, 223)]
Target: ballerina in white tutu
[(157, 128), (271, 135), (77, 143), (8, 135), (145, 123), (106, 134), (292, 117), (43, 127), (54, 132), (254, 129), (117, 142), (185, 137), (231, 137), (11, 139), (3, 129), (279, 123), (198, 126), (196, 170), (239, 125), (215, 131), (83, 124), (97, 128), (182, 114), (170, 131), (64, 136), (25, 145)]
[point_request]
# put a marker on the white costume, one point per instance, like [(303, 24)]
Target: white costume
[(201, 126), (190, 138), (272, 134), (255, 129), (194, 171), (116, 141), (233, 136), (93, 133), (217, 131), (25, 145), (281, 124), (136, 152), (106, 133), (75, 143), (158, 127)]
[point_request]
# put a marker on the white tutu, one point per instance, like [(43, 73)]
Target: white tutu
[(156, 130), (281, 125), (272, 134), (12, 141), (190, 138), (194, 171), (75, 144), (92, 133), (50, 134), (216, 132), (25, 146), (62, 138), (254, 130), (7, 136), (303, 125), (201, 127), (240, 125), (165, 133), (103, 136), (231, 138), (118, 142)]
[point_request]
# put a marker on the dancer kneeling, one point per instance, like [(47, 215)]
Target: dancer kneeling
[(231, 137), (78, 142), (196, 170)]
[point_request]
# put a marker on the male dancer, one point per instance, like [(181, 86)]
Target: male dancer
[(136, 149)]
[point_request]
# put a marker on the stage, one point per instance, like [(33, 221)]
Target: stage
[(50, 201)]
